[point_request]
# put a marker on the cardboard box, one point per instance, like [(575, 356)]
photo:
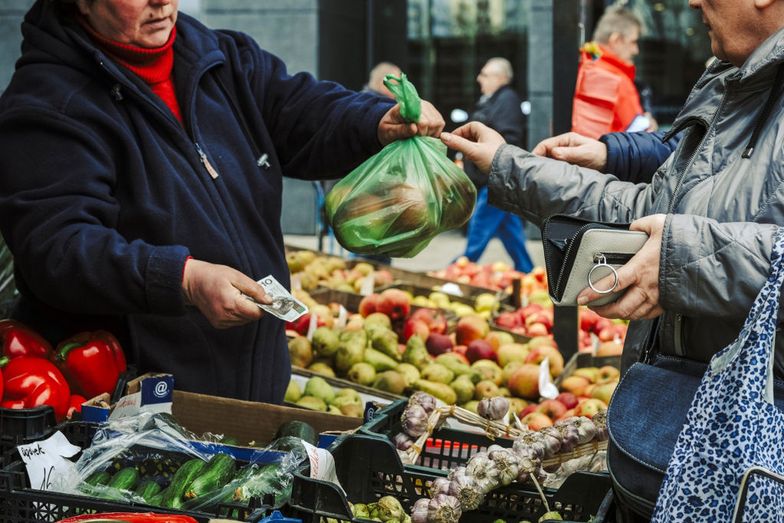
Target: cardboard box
[(247, 420)]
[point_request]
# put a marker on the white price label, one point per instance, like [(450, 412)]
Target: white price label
[(45, 460), (312, 326), (547, 388), (322, 464), (368, 285)]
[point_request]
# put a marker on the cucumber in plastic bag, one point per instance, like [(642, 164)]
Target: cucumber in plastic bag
[(402, 197)]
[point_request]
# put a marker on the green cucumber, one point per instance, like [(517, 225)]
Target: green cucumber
[(182, 479), (147, 489), (298, 429), (219, 471), (98, 478), (125, 479), (157, 499)]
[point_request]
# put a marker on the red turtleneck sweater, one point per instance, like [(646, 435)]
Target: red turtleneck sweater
[(153, 65)]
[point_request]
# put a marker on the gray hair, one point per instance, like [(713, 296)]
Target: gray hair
[(503, 66), (616, 20)]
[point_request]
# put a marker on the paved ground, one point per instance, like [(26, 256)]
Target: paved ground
[(441, 251)]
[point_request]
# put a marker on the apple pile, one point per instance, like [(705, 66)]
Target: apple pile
[(484, 305), (497, 276), (602, 336), (532, 320), (585, 392), (313, 270)]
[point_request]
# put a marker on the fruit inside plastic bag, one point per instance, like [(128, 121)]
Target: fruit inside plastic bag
[(402, 197)]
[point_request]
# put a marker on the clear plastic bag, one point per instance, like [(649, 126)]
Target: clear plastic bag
[(129, 455), (402, 197)]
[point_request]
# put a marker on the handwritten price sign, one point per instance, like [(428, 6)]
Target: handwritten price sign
[(45, 460)]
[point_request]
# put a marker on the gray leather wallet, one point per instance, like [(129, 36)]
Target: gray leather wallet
[(579, 253)]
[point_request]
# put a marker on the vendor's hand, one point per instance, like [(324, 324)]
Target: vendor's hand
[(217, 291), (477, 142), (639, 277), (393, 127), (575, 149)]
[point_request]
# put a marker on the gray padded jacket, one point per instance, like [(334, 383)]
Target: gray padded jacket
[(722, 207)]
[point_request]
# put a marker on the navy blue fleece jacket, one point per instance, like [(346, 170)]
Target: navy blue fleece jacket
[(103, 194), (634, 157)]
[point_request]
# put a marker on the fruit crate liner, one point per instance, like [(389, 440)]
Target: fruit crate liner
[(21, 504), (369, 468)]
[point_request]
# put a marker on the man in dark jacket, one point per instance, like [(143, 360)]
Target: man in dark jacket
[(142, 157), (499, 109)]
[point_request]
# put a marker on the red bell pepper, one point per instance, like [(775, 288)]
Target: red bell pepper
[(32, 382), (92, 361), (20, 340), (75, 405)]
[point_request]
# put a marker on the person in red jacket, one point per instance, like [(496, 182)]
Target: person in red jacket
[(605, 97)]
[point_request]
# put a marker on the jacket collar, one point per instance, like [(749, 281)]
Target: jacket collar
[(755, 74), (610, 58)]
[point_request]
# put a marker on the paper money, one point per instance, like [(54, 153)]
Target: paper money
[(284, 305)]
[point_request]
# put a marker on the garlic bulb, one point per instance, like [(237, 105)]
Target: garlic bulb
[(414, 420), (507, 465), (402, 441), (444, 509), (493, 408), (465, 489), (424, 400), (600, 422), (419, 511), (484, 471), (439, 486)]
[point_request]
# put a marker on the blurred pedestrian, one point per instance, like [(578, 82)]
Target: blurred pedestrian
[(605, 97), (499, 109)]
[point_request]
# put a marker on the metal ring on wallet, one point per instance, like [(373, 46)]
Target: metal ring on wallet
[(603, 263)]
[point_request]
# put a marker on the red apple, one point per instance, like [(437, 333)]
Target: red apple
[(480, 350), (470, 328), (609, 348), (540, 317), (438, 343), (575, 384), (588, 319), (369, 305), (498, 338), (508, 320), (537, 421), (568, 414), (531, 407), (554, 358), (568, 399), (435, 320), (415, 328), (524, 382), (553, 409), (394, 303), (537, 329), (590, 407), (382, 278)]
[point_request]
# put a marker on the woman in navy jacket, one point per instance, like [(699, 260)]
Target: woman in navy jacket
[(141, 156)]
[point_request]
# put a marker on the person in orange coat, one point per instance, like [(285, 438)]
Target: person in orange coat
[(605, 97)]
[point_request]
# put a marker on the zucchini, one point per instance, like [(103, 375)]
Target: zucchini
[(147, 489), (157, 499), (298, 429), (98, 478), (182, 479), (125, 479), (218, 472)]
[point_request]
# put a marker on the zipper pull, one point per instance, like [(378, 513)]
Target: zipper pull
[(206, 162), (263, 161)]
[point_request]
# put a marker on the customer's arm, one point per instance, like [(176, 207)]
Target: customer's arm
[(631, 157), (635, 157)]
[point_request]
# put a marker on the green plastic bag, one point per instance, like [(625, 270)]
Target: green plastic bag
[(402, 197)]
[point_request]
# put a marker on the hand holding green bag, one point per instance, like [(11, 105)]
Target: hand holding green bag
[(402, 197)]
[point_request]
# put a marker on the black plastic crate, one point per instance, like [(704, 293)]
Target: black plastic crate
[(446, 449), (368, 468), (22, 426), (21, 504)]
